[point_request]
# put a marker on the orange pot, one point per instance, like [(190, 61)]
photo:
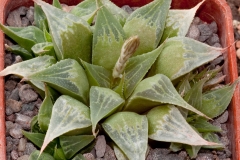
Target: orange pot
[(216, 10)]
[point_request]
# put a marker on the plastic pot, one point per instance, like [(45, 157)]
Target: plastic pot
[(216, 10)]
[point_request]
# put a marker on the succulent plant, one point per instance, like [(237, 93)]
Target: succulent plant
[(130, 77)]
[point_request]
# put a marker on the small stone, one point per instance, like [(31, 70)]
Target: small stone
[(9, 144), (24, 121), (22, 10), (29, 113), (100, 146), (10, 85), (218, 45), (213, 27), (22, 144), (8, 111), (127, 8), (16, 131), (14, 19), (93, 151), (204, 156), (14, 94), (27, 107), (14, 155), (205, 32), (38, 103), (9, 125), (217, 61), (30, 14), (8, 59), (157, 153), (193, 32), (109, 154), (17, 59), (223, 118), (238, 53), (213, 39), (16, 106), (24, 157), (196, 21), (183, 154), (11, 118), (25, 22), (29, 148), (88, 156), (225, 140), (238, 44), (27, 94)]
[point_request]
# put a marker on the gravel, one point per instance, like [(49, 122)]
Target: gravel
[(22, 102)]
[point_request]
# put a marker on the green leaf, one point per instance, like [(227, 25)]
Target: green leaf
[(67, 77), (37, 139), (154, 91), (36, 155), (47, 36), (45, 48), (18, 50), (183, 55), (72, 144), (120, 87), (136, 69), (175, 147), (26, 68), (178, 22), (45, 110), (79, 157), (108, 38), (184, 85), (203, 126), (214, 138), (40, 19), (192, 150), (129, 131), (58, 154), (97, 75), (67, 30), (57, 4), (34, 125), (148, 23), (194, 95), (26, 37), (119, 153), (103, 102), (167, 124), (215, 102), (68, 116)]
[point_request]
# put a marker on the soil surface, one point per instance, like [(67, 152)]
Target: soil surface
[(22, 102)]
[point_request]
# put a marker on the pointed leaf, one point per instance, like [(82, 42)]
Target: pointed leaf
[(40, 19), (214, 138), (192, 150), (67, 30), (154, 91), (45, 110), (167, 124), (215, 102), (47, 36), (148, 23), (68, 115), (183, 55), (119, 153), (84, 8), (194, 95), (120, 88), (103, 102), (178, 22), (58, 154), (18, 50), (129, 131), (45, 48), (97, 75), (34, 125), (175, 147), (40, 156), (26, 68), (108, 38), (67, 77), (37, 139), (136, 69), (72, 144), (26, 37), (57, 4), (203, 126)]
